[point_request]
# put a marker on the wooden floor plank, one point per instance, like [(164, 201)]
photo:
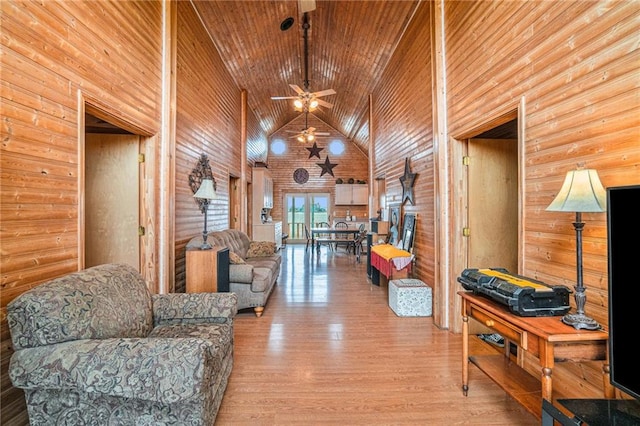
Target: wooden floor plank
[(328, 350)]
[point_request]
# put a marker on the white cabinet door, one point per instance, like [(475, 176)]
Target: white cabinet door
[(351, 195), (343, 194), (360, 194)]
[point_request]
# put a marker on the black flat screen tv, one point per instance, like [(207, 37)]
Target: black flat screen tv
[(623, 246)]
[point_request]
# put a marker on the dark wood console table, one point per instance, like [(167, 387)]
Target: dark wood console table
[(547, 338)]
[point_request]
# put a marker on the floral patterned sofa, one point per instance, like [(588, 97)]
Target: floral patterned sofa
[(96, 347), (254, 266)]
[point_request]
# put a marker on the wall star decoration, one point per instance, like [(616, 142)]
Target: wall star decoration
[(327, 167), (314, 151), (407, 181)]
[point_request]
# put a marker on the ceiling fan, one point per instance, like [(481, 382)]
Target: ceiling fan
[(308, 134), (305, 100)]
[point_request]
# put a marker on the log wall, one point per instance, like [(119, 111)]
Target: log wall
[(570, 69), (208, 105), (574, 66), (402, 129), (51, 51)]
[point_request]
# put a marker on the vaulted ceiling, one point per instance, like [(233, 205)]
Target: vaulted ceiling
[(349, 46)]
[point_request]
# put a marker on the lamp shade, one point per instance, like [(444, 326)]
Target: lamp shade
[(580, 192), (206, 190)]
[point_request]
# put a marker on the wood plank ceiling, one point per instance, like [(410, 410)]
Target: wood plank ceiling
[(349, 46)]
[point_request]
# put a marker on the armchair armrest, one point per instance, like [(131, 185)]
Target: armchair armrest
[(165, 370), (191, 308)]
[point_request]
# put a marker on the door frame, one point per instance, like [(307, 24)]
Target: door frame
[(309, 197), (149, 244), (454, 261)]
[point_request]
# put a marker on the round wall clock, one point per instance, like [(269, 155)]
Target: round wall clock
[(301, 175)]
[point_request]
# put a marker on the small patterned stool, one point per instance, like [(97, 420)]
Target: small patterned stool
[(410, 298)]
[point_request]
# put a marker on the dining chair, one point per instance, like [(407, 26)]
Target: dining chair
[(323, 238), (341, 225), (356, 244), (307, 235)]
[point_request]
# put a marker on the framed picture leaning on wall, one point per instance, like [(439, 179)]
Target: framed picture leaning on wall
[(395, 223)]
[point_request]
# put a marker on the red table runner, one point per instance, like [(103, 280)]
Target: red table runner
[(382, 256)]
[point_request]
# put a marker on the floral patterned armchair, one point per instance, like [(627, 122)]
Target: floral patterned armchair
[(95, 347)]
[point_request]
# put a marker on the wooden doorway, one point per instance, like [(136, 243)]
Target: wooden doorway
[(234, 203), (493, 203), (112, 178), (112, 199), (487, 197)]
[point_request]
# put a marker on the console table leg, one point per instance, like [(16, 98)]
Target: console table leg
[(465, 354), (547, 363)]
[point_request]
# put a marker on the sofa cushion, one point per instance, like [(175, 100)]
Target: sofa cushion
[(270, 262), (261, 248), (113, 301), (235, 259), (162, 369)]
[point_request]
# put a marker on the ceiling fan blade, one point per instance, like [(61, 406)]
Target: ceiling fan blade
[(283, 97), (311, 129), (322, 133), (324, 103), (297, 88), (324, 93), (306, 5)]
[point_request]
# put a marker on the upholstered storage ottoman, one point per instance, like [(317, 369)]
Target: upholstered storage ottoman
[(410, 298)]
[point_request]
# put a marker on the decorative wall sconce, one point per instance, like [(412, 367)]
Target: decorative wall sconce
[(581, 192), (203, 185)]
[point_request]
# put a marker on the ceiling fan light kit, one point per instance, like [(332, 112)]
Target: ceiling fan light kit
[(307, 101)]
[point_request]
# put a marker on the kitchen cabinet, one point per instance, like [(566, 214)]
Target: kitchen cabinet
[(352, 194), (270, 231), (262, 193)]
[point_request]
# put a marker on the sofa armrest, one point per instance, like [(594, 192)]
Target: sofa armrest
[(241, 273), (164, 370), (192, 308)]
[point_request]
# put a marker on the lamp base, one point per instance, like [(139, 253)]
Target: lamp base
[(206, 246), (580, 321)]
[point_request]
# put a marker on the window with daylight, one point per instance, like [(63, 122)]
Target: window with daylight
[(336, 147), (278, 147)]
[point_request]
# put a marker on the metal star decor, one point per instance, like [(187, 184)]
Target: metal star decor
[(314, 151), (407, 183), (327, 167)]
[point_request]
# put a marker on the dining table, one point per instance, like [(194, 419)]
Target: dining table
[(332, 235)]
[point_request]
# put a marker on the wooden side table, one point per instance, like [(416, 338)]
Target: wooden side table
[(207, 270), (547, 338)]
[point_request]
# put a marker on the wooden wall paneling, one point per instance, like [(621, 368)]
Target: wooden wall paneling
[(352, 163), (50, 50), (402, 113), (208, 121), (572, 62)]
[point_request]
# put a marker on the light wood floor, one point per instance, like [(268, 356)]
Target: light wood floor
[(329, 351)]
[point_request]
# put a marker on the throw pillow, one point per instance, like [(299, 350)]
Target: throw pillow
[(235, 259), (261, 249)]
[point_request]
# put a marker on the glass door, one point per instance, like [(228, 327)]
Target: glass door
[(305, 209)]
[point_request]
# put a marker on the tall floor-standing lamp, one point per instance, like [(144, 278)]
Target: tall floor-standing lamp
[(581, 192), (206, 193)]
